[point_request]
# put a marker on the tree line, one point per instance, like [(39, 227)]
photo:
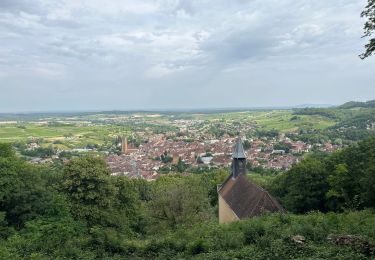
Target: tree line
[(339, 181)]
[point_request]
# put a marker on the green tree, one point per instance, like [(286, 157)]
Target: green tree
[(369, 28), (211, 180), (102, 200), (24, 193), (127, 199), (341, 185), (352, 175), (108, 204), (303, 188), (6, 150), (87, 184), (179, 200), (181, 166), (5, 230), (199, 160), (57, 237), (368, 184)]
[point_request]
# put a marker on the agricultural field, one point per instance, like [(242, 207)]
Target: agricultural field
[(81, 129), (281, 120), (285, 121), (72, 136)]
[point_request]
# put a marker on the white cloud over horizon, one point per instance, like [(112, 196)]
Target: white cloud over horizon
[(137, 54)]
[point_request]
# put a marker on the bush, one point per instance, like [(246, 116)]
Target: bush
[(252, 232), (198, 247)]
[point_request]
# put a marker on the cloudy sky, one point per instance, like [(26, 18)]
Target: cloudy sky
[(157, 54)]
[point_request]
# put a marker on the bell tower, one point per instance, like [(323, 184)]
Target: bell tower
[(238, 159), (124, 145)]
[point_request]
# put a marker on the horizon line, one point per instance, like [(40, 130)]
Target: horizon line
[(170, 110)]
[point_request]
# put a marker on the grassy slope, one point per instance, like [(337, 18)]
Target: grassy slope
[(281, 120)]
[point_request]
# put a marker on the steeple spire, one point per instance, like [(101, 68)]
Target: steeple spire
[(238, 158), (239, 151)]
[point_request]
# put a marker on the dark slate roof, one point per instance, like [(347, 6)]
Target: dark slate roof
[(239, 152), (246, 199)]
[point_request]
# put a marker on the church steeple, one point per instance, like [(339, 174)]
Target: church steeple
[(239, 151), (238, 159)]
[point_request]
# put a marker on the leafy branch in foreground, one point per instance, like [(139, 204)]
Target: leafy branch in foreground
[(369, 28)]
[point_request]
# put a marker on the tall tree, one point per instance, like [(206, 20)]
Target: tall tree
[(369, 28), (352, 174), (98, 198), (24, 194), (87, 183), (303, 188), (179, 200)]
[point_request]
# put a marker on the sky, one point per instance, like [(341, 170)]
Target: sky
[(82, 55)]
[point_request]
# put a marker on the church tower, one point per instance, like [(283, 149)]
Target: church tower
[(124, 145), (238, 159), (239, 197)]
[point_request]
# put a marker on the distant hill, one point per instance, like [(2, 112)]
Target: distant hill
[(326, 112), (355, 104), (347, 116), (314, 106)]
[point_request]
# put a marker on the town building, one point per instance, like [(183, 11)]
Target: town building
[(125, 147)]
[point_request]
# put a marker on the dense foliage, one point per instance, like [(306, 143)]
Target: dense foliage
[(354, 104), (330, 113), (342, 180), (79, 211), (369, 28), (354, 121)]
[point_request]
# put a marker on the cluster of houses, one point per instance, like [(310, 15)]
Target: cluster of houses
[(196, 146), (134, 166), (146, 160)]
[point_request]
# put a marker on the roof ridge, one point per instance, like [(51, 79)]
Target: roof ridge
[(256, 205), (225, 181), (274, 201)]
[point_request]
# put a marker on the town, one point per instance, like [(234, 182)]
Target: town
[(160, 154), (148, 145)]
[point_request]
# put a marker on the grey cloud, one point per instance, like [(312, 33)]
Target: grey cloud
[(70, 24), (155, 51), (240, 46), (21, 6)]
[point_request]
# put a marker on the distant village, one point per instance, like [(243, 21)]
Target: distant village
[(147, 160), (190, 146)]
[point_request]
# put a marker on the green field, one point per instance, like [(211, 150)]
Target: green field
[(75, 133), (281, 120), (71, 136)]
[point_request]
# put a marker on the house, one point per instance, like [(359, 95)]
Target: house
[(239, 197)]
